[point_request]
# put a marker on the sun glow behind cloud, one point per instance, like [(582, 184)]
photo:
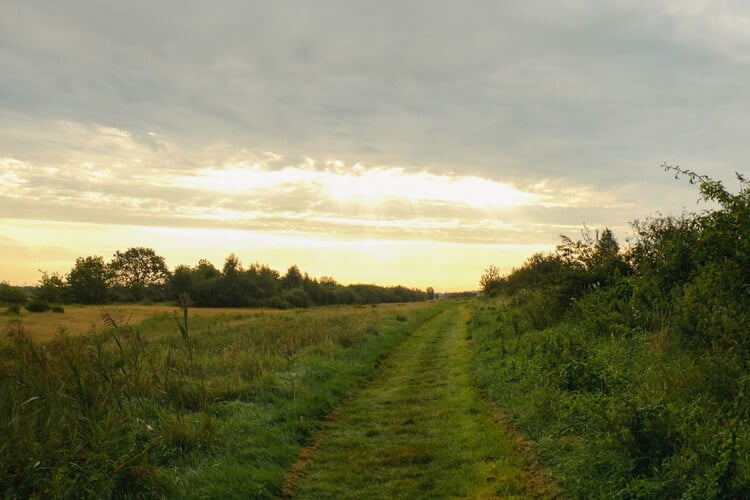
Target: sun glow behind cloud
[(356, 222), (361, 185)]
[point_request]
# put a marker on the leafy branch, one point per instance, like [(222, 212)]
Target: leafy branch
[(710, 189)]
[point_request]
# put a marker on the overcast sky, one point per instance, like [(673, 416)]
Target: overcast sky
[(428, 138)]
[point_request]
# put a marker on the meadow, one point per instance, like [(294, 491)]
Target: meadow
[(80, 320), (149, 401)]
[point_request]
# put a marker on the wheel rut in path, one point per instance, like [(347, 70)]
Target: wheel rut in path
[(418, 430)]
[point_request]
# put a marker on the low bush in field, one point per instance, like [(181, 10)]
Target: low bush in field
[(13, 310), (37, 305), (220, 410)]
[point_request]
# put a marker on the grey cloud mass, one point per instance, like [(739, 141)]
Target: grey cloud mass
[(582, 95), (483, 84)]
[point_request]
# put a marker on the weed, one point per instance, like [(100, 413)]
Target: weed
[(183, 326)]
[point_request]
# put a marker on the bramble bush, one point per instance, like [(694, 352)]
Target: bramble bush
[(630, 368)]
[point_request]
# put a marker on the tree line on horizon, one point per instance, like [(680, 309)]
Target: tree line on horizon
[(139, 274)]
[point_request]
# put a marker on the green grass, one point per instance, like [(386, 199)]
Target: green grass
[(126, 412), (418, 430), (621, 415)]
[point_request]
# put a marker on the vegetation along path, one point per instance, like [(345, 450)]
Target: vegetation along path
[(418, 430)]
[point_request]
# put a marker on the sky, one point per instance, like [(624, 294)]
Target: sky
[(410, 142)]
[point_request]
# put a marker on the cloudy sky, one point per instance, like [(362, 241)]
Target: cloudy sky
[(411, 142)]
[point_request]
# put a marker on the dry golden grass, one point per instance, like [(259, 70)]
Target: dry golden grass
[(83, 320)]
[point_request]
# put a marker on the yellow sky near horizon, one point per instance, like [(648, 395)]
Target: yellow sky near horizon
[(357, 223), (373, 143), (383, 224), (447, 267)]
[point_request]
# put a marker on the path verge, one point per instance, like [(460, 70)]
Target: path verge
[(419, 429)]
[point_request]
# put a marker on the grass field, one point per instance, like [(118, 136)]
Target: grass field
[(216, 406), (83, 320)]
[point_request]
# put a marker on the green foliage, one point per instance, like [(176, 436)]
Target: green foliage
[(261, 286), (292, 278), (630, 368), (88, 280), (37, 305), (138, 270), (52, 288), (139, 275), (13, 310), (11, 294), (296, 297), (491, 281), (619, 416)]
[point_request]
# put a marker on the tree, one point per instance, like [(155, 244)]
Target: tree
[(292, 278), (577, 254), (137, 269), (11, 294), (88, 280), (606, 246), (491, 281), (205, 284), (181, 281), (51, 289), (232, 285)]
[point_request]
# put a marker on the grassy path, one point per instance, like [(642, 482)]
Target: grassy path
[(418, 430)]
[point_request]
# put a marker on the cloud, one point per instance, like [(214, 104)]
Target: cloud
[(474, 122), (111, 175), (482, 86)]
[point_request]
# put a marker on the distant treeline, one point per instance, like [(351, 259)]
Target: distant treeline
[(140, 275)]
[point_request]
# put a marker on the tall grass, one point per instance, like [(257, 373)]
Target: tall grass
[(619, 413), (147, 410)]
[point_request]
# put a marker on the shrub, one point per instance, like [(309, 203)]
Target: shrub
[(13, 310), (37, 305), (297, 297)]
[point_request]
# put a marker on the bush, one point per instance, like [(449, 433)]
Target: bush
[(13, 310), (37, 305), (276, 302), (631, 371), (297, 297)]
